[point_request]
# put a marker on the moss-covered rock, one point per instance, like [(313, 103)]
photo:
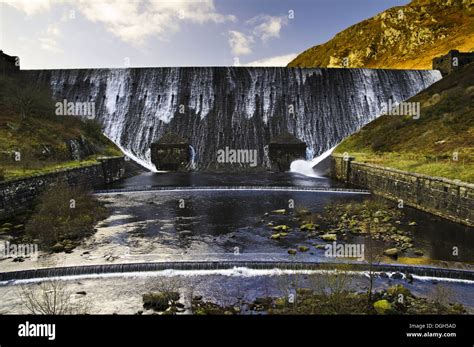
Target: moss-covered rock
[(329, 237), (159, 301), (382, 306), (57, 247), (308, 227), (398, 289), (418, 252), (280, 302), (281, 211), (391, 252), (281, 227)]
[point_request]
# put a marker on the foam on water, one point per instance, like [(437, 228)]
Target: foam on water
[(306, 167), (233, 272)]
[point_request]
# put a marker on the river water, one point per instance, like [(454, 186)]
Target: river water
[(198, 224), (163, 217)]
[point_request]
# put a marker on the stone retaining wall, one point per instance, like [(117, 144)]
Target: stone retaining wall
[(453, 200), (17, 196)]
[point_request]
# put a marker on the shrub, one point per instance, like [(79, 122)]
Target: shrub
[(26, 98), (64, 214)]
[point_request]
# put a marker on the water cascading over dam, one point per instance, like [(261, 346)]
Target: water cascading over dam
[(235, 107)]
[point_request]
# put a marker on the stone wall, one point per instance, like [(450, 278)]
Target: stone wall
[(452, 61), (453, 200), (17, 196)]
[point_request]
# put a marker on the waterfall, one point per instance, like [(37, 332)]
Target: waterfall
[(320, 158), (238, 107), (306, 167), (199, 266), (303, 167), (309, 153), (193, 157)]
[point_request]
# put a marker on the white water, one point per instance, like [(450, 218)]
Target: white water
[(226, 189), (193, 157), (305, 167), (234, 272), (138, 106)]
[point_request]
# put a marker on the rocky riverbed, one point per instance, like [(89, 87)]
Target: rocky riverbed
[(245, 291)]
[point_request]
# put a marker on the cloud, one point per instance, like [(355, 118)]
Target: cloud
[(49, 39), (240, 44), (280, 60), (267, 27), (134, 21), (30, 7), (263, 28)]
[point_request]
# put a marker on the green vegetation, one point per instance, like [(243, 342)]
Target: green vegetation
[(332, 293), (160, 301), (63, 217), (402, 37), (375, 218), (440, 143), (34, 140)]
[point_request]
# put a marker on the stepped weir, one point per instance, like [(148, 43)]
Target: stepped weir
[(127, 268)]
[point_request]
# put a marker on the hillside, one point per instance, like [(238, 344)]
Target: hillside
[(403, 37), (34, 140), (430, 144)]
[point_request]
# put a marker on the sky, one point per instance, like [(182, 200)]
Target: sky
[(49, 34)]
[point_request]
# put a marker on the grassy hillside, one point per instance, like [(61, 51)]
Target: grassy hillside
[(34, 140), (404, 37), (427, 145)]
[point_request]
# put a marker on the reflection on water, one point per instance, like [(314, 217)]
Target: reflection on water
[(196, 179), (202, 223)]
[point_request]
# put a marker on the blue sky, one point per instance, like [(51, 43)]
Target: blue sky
[(140, 33)]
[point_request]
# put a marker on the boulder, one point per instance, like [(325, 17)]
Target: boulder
[(329, 237), (308, 227), (397, 290), (281, 211), (281, 228), (418, 252), (382, 306), (58, 247), (391, 252)]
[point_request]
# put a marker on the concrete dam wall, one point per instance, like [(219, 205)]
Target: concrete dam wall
[(235, 107)]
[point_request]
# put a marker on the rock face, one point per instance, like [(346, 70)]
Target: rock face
[(284, 149), (171, 153), (403, 37), (236, 107)]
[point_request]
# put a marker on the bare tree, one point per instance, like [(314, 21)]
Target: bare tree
[(164, 284), (333, 286), (51, 298), (373, 255)]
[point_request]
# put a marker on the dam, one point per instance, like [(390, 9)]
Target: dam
[(236, 107)]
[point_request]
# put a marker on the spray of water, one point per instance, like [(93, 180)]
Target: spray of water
[(306, 167), (193, 157)]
